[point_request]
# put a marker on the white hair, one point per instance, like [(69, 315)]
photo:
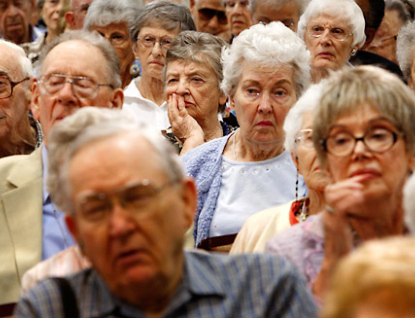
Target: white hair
[(272, 45), (24, 62), (294, 120), (88, 125), (346, 10), (409, 203), (405, 48)]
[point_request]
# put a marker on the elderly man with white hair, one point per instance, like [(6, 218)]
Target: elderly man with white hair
[(129, 214)]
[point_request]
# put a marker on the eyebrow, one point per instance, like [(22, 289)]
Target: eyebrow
[(371, 122), (278, 83), (3, 73)]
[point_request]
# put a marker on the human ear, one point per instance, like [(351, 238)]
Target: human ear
[(35, 100)]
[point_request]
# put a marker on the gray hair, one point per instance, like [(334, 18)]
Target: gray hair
[(104, 12), (302, 4), (272, 45), (405, 48), (113, 66), (308, 102), (409, 203), (345, 92), (24, 63), (197, 47), (400, 8), (346, 10), (163, 14), (90, 124)]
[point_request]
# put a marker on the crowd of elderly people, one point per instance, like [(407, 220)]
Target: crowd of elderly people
[(217, 158)]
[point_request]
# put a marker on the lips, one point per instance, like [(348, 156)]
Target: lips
[(265, 123), (128, 257), (157, 63), (325, 54), (367, 173)]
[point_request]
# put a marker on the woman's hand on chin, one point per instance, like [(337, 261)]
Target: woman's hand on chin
[(185, 128)]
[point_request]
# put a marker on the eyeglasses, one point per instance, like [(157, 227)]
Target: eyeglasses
[(82, 87), (304, 138), (208, 14), (376, 140), (6, 86), (335, 32), (149, 41), (134, 197)]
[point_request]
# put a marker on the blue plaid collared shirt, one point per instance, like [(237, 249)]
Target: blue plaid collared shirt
[(213, 285)]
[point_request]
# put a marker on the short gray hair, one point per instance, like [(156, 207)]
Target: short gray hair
[(113, 66), (104, 12), (346, 10), (24, 63), (308, 102), (400, 8), (302, 4), (197, 47), (88, 125), (272, 45), (405, 48), (163, 14), (409, 203), (346, 90)]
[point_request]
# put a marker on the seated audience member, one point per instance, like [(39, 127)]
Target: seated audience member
[(210, 17), (286, 11), (373, 11), (129, 213), (364, 137), (375, 281), (238, 13), (49, 11), (75, 17), (152, 33), (406, 52), (262, 226), (78, 69), (333, 31), (19, 132), (15, 21), (113, 19), (265, 70), (193, 75)]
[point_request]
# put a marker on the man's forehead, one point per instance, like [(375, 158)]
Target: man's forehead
[(9, 63)]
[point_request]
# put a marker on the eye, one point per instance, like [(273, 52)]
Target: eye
[(379, 134), (244, 3), (338, 31), (252, 92), (94, 208), (117, 36), (317, 29), (280, 92), (230, 4), (148, 39), (341, 139), (138, 195), (197, 80), (172, 80)]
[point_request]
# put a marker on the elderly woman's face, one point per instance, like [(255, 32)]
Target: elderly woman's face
[(306, 158), (239, 15), (50, 13), (117, 34), (198, 84), (327, 51), (151, 47), (262, 98), (382, 174)]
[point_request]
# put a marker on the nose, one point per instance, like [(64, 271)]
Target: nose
[(182, 87), (121, 223), (237, 9), (325, 38), (157, 50), (360, 149), (67, 97), (265, 106), (214, 22)]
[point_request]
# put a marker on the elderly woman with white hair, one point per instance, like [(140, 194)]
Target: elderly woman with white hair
[(406, 52), (265, 70), (333, 31), (364, 137), (262, 226), (113, 19)]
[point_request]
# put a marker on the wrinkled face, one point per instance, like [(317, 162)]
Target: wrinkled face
[(288, 14), (13, 110), (117, 34), (50, 13), (306, 157), (14, 20), (326, 51), (384, 173), (198, 84), (384, 42), (75, 58), (261, 101), (239, 15), (153, 58), (127, 246), (210, 17), (77, 14)]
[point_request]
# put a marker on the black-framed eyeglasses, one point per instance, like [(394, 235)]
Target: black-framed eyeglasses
[(82, 87), (304, 138), (7, 86), (149, 41), (135, 197), (336, 32), (207, 14), (376, 140)]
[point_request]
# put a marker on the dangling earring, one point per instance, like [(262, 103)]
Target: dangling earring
[(296, 186), (135, 69), (354, 51)]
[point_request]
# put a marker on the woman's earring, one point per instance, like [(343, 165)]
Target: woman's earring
[(354, 51), (135, 69)]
